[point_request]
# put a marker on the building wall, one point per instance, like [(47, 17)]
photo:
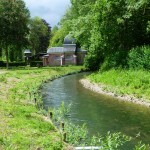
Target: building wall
[(54, 59), (45, 61), (61, 59), (69, 59)]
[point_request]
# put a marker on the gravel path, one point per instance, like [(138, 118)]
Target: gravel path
[(99, 89), (2, 71)]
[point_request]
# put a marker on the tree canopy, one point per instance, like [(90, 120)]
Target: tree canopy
[(39, 35), (14, 17), (108, 29)]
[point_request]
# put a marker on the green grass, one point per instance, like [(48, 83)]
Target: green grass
[(132, 82), (22, 125)]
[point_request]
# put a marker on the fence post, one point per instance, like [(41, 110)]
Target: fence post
[(63, 125), (51, 115), (64, 137), (35, 100)]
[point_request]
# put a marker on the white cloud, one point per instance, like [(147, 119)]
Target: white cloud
[(50, 10)]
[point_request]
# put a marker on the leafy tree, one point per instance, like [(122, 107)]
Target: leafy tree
[(59, 32), (108, 29), (14, 17), (58, 37), (54, 30), (39, 35), (45, 39)]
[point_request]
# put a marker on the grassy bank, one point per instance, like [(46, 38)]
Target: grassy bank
[(135, 83), (22, 125)]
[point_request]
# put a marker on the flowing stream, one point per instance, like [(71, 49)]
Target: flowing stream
[(101, 113)]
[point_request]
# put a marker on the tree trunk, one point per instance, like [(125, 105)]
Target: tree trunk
[(7, 59), (0, 53)]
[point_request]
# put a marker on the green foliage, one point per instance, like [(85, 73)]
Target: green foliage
[(76, 134), (107, 29), (13, 14), (58, 37), (111, 141), (141, 146), (115, 60), (12, 64), (45, 40), (3, 79), (94, 64), (21, 125), (2, 64), (61, 113), (36, 64), (17, 64), (148, 26), (139, 58), (136, 83), (39, 35)]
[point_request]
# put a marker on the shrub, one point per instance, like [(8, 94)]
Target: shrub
[(92, 62), (139, 58), (2, 64), (12, 64), (36, 64), (114, 60), (16, 64)]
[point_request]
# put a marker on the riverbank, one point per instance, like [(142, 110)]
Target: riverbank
[(22, 125), (125, 85)]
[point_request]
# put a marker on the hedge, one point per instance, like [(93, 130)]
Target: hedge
[(36, 64)]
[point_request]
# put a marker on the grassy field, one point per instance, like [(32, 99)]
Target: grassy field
[(22, 125), (124, 82)]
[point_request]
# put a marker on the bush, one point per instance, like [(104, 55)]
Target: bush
[(16, 64), (12, 64), (139, 58), (2, 64), (115, 60), (36, 64)]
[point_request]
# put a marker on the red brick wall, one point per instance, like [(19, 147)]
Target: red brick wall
[(54, 59), (69, 59)]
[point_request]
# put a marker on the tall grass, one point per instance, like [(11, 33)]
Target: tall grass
[(132, 82), (22, 126)]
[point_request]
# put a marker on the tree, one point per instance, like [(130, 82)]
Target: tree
[(14, 17), (58, 36), (39, 34), (0, 53), (45, 39), (108, 29)]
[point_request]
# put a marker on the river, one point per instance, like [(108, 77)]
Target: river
[(101, 113)]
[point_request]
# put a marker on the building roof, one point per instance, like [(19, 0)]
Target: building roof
[(53, 50), (27, 51), (67, 48), (69, 40)]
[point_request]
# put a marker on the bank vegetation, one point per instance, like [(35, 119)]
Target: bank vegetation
[(24, 124)]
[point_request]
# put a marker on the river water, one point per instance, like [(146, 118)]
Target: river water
[(101, 113)]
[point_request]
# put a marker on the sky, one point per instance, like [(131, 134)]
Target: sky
[(50, 10)]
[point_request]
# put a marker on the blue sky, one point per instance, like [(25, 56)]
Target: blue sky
[(50, 10)]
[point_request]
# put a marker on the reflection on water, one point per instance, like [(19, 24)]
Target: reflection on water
[(101, 113)]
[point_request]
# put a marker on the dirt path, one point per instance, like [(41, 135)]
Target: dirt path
[(3, 71)]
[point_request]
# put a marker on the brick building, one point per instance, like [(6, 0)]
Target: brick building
[(69, 54)]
